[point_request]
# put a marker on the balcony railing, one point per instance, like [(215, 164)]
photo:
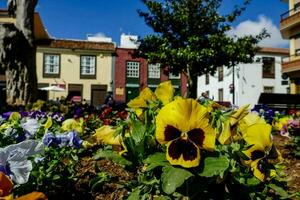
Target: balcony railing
[(290, 12), (291, 57)]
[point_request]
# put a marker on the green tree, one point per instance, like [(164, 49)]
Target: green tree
[(190, 37)]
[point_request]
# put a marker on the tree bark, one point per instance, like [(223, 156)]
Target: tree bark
[(193, 82), (18, 54)]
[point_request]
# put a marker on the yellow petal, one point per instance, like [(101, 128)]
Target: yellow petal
[(141, 101), (14, 116), (256, 172), (239, 114), (277, 125), (48, 123), (224, 137), (9, 197), (165, 92), (106, 135), (259, 135), (249, 120)]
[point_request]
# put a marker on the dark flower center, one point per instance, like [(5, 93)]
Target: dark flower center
[(182, 147), (257, 154), (197, 136), (171, 133)]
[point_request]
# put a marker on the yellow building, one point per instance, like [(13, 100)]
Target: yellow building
[(290, 29), (82, 68)]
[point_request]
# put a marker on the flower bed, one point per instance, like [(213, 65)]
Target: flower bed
[(161, 147)]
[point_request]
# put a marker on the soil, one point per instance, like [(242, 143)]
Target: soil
[(292, 163), (112, 190)]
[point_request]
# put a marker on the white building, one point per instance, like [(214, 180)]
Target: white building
[(250, 80)]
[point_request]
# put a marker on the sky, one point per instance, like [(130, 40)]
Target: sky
[(74, 19)]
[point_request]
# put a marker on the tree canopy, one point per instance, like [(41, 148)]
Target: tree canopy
[(191, 37)]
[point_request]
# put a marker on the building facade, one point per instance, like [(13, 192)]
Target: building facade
[(250, 80), (82, 68), (132, 74), (290, 29)]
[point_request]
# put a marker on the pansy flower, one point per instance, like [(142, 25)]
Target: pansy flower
[(105, 135), (13, 159), (183, 125), (164, 93), (261, 152), (72, 124)]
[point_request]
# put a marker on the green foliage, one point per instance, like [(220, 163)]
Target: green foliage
[(156, 160), (172, 178), (191, 37), (215, 166)]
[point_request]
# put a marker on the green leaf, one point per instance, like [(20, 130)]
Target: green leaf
[(162, 198), (113, 156), (138, 131), (172, 178), (279, 190), (215, 166), (135, 194), (156, 160)]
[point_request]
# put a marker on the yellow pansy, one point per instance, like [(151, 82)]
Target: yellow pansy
[(184, 127), (72, 124), (164, 92), (105, 135), (261, 151)]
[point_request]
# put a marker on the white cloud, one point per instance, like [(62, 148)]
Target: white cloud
[(255, 27), (99, 35)]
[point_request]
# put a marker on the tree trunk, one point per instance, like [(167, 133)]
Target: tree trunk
[(18, 54), (193, 82)]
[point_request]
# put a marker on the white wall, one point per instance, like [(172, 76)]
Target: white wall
[(249, 83)]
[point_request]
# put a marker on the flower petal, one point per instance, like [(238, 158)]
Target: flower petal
[(141, 101), (165, 92), (6, 185), (259, 135), (106, 135), (258, 170), (184, 153)]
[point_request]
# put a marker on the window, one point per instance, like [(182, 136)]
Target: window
[(268, 89), (132, 69), (268, 67), (154, 71), (88, 67), (220, 73), (173, 76), (220, 93), (206, 79), (51, 65)]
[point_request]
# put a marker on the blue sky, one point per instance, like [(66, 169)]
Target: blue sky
[(75, 19)]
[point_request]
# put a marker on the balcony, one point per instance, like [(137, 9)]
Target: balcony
[(291, 65), (289, 22)]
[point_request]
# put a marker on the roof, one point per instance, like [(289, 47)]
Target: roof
[(77, 44), (273, 50)]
